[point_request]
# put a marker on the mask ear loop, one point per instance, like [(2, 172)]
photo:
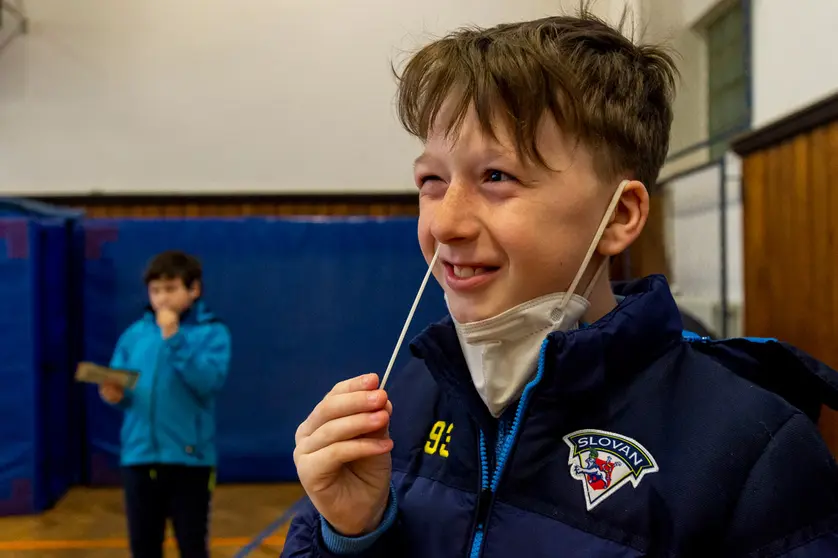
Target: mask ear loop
[(587, 294), (591, 249), (410, 317), (600, 268)]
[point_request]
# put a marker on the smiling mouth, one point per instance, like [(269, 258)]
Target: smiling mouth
[(467, 271)]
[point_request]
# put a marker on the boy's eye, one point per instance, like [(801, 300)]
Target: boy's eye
[(431, 185), (498, 176), (428, 178)]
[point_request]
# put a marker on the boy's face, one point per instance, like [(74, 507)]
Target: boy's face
[(510, 230), (172, 294)]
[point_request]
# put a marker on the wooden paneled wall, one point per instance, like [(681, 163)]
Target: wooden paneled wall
[(239, 206), (790, 174), (791, 253)]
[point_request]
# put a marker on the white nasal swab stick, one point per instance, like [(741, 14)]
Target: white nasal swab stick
[(410, 317)]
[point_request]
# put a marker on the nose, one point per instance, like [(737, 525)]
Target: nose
[(455, 218)]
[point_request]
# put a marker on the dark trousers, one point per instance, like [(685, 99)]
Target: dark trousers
[(156, 493)]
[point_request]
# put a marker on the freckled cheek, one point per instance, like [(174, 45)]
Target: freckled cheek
[(532, 255)]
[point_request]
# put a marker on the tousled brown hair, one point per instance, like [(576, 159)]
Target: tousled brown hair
[(174, 264), (611, 95)]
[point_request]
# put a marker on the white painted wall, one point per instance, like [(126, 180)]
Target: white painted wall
[(693, 220), (677, 22), (672, 22), (219, 95), (693, 11), (692, 224), (794, 61), (690, 125)]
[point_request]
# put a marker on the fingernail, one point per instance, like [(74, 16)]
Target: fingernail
[(372, 397)]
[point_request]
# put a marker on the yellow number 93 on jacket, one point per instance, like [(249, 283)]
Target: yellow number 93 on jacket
[(439, 438)]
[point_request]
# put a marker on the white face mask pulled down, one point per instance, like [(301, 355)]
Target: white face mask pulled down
[(502, 351)]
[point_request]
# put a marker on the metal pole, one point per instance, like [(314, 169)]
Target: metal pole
[(723, 242)]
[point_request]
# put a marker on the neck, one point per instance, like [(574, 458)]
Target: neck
[(602, 299)]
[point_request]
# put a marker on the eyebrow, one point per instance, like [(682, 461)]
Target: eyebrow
[(490, 154)]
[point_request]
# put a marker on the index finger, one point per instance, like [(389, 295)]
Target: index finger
[(359, 383)]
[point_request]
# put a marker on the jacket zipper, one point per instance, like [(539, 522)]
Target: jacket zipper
[(484, 500), (503, 450)]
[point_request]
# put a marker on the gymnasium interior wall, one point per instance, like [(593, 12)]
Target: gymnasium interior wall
[(220, 97), (309, 301), (259, 135), (233, 129)]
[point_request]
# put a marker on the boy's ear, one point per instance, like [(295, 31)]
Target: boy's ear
[(627, 221), (195, 290)]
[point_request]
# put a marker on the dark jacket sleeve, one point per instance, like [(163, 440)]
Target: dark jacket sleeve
[(310, 536), (789, 504)]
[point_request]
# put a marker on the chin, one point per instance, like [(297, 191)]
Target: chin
[(465, 312)]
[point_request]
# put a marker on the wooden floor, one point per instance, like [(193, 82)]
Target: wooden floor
[(90, 523)]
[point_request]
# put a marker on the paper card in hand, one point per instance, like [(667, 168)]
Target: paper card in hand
[(95, 374)]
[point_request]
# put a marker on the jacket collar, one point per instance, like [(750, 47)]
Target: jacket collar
[(645, 322)]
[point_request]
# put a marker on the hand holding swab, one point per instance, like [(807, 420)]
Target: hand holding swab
[(410, 317)]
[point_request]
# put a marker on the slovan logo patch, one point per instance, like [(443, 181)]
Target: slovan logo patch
[(605, 462)]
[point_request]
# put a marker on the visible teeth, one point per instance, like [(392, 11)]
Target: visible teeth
[(466, 272)]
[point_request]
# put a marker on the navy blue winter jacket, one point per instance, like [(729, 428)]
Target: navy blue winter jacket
[(633, 439)]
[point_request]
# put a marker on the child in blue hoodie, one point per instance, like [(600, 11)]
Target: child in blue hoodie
[(182, 353)]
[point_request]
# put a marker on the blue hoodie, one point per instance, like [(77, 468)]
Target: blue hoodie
[(170, 413), (632, 440)]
